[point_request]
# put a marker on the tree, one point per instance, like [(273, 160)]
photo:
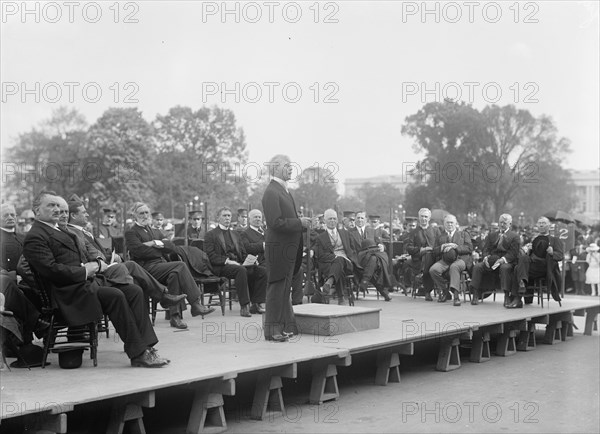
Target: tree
[(481, 161), (208, 153), (46, 158), (380, 198), (316, 190), (118, 158)]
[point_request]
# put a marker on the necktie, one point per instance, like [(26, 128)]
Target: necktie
[(362, 233), (89, 234), (260, 230)]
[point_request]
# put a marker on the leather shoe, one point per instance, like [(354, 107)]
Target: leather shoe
[(428, 297), (177, 322), (255, 308), (517, 303), (41, 328), (277, 338), (456, 301), (444, 296), (245, 311), (148, 359), (198, 309), (169, 300)]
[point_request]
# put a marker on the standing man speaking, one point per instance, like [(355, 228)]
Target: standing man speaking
[(283, 250)]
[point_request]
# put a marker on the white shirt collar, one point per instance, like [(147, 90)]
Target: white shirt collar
[(223, 228), (75, 226), (281, 182), (53, 226), (256, 228), (11, 231)]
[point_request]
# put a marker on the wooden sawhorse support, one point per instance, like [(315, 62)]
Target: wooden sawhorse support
[(129, 409), (591, 323), (507, 343), (324, 385), (480, 349), (449, 356), (54, 420), (207, 414), (267, 395), (554, 329), (388, 363)]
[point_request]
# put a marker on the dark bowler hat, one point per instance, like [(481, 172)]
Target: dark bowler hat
[(368, 244), (349, 214), (374, 217), (450, 256), (69, 358), (156, 214)]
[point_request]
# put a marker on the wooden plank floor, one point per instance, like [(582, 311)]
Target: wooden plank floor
[(225, 346)]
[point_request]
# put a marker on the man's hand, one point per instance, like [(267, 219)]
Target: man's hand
[(149, 243), (550, 250), (103, 267), (306, 222), (91, 268), (381, 247), (231, 262), (425, 249), (485, 262)]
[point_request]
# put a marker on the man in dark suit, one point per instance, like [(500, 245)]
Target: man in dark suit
[(419, 245), (362, 231), (253, 237), (541, 259), (336, 256), (227, 255), (241, 223), (57, 258), (76, 221), (454, 248), (107, 230), (283, 250), (146, 247), (11, 242), (501, 248)]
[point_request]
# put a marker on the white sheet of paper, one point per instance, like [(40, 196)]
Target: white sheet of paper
[(250, 260)]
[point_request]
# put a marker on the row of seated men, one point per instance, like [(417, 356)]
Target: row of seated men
[(367, 262), (441, 254)]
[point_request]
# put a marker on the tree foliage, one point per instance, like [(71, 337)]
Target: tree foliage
[(486, 161)]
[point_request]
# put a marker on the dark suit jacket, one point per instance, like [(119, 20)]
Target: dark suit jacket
[(283, 240), (253, 243), (462, 239), (368, 234), (56, 257), (509, 247), (420, 238), (325, 255), (142, 254), (12, 247), (215, 248)]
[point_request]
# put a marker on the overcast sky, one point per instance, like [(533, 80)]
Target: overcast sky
[(372, 62)]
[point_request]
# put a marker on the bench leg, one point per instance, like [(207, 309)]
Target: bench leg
[(526, 339), (207, 414), (128, 409), (506, 345)]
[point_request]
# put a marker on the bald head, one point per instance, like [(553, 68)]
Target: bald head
[(331, 219)]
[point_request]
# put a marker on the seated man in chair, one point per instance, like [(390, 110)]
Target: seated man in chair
[(419, 245), (375, 267), (227, 254), (336, 258), (147, 247), (454, 247), (540, 261), (503, 247)]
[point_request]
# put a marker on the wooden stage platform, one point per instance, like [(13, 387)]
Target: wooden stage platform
[(210, 355)]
